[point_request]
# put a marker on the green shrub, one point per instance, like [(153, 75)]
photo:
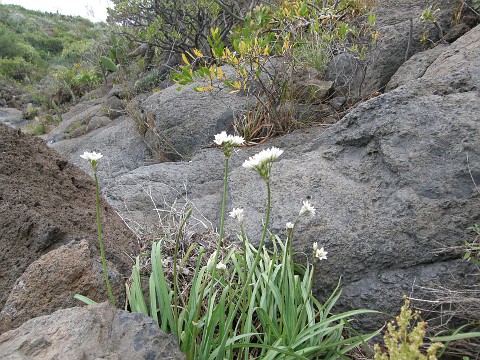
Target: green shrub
[(35, 128), (75, 51), (472, 248), (50, 45), (8, 43), (176, 26), (268, 45), (17, 68)]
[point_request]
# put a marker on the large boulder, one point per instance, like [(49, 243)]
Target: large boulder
[(119, 141), (181, 120), (46, 203), (94, 332), (397, 42), (437, 62), (75, 122), (49, 283), (415, 67), (392, 182)]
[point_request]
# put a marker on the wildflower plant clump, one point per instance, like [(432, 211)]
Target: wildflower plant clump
[(93, 158), (252, 303)]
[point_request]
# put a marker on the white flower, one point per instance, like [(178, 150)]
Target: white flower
[(223, 138), (315, 247), (91, 156), (228, 142), (221, 266), (307, 208), (236, 140), (321, 254), (237, 214), (289, 225), (262, 158), (262, 162)]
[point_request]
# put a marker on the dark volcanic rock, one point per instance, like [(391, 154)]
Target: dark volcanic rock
[(49, 284), (362, 78)]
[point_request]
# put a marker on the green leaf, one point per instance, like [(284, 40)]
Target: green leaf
[(456, 337), (108, 64), (84, 299)]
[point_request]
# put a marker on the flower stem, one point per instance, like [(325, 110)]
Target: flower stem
[(99, 231), (222, 217), (244, 240)]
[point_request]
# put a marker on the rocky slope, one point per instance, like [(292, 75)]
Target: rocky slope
[(48, 243), (393, 183)]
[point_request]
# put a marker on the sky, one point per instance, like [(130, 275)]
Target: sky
[(95, 10)]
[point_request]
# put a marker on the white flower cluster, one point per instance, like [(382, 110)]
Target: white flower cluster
[(92, 158), (262, 161), (221, 266), (289, 225), (237, 214), (211, 261), (228, 142), (233, 140), (307, 209)]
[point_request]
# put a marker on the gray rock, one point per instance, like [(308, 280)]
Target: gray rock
[(338, 102), (308, 86), (181, 122), (118, 91), (415, 67), (362, 78), (11, 116), (392, 182), (455, 32), (94, 332), (441, 61), (75, 122), (463, 56), (98, 122), (114, 107), (121, 144)]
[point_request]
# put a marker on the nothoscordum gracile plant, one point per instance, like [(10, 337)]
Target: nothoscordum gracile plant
[(93, 158), (253, 303)]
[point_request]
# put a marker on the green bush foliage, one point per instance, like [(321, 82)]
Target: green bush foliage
[(16, 68), (176, 26), (54, 57), (265, 48), (472, 248)]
